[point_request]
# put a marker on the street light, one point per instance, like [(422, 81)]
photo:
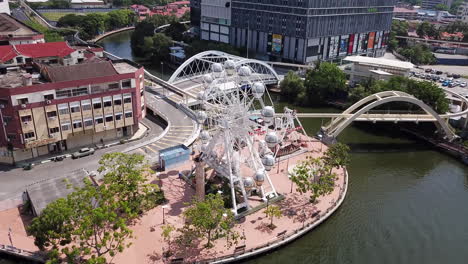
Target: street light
[(290, 178), (164, 215), (162, 70)]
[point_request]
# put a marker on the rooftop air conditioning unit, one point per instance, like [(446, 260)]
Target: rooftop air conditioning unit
[(23, 105), (48, 102)]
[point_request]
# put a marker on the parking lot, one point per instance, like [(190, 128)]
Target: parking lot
[(447, 80)]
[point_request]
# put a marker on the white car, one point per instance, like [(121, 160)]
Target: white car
[(463, 84), (442, 79)]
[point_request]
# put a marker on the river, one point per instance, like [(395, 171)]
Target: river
[(406, 202)]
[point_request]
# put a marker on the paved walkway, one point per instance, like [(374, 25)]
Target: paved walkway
[(297, 212)]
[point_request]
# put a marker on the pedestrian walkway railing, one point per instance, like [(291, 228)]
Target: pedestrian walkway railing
[(11, 250)]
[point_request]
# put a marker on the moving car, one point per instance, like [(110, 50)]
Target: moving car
[(83, 153)]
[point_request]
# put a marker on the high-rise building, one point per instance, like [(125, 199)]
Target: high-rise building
[(4, 7), (431, 4), (299, 30)]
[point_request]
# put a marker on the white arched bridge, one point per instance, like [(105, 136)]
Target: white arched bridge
[(360, 112)]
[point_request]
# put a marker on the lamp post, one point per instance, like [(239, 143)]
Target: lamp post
[(162, 70), (290, 178), (164, 215)]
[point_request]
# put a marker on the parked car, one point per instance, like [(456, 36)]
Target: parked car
[(463, 84), (449, 74), (83, 153), (446, 83), (428, 70), (456, 76), (442, 79), (438, 72), (451, 85)]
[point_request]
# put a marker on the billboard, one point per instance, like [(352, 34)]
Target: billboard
[(351, 44), (333, 47), (275, 44), (370, 42), (343, 45)]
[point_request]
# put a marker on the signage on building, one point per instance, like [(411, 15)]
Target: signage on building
[(276, 43), (351, 44), (41, 142), (343, 45), (370, 42)]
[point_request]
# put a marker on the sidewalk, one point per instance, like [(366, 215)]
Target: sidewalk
[(141, 133)]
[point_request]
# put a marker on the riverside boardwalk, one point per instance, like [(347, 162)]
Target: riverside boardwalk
[(298, 214)]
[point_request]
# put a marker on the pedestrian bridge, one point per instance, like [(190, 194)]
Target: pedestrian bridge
[(362, 111)]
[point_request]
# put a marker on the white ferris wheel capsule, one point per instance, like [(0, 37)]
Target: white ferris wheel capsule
[(259, 177), (207, 79), (230, 67), (201, 116), (258, 89), (249, 183), (205, 136), (268, 161), (271, 139), (245, 71), (268, 113)]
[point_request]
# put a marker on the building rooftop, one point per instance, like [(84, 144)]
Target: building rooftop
[(79, 71), (380, 62), (9, 26), (7, 53), (123, 67), (43, 193), (380, 72), (41, 50)]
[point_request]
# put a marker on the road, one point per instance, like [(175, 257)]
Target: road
[(14, 179)]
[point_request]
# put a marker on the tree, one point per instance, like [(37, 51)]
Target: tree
[(142, 30), (325, 81), (418, 54), (291, 86), (427, 29), (175, 31), (91, 222), (161, 45), (441, 7), (313, 175), (273, 211), (119, 19), (337, 155), (129, 182), (85, 224), (167, 231), (211, 220)]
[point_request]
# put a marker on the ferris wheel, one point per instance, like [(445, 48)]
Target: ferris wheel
[(241, 136)]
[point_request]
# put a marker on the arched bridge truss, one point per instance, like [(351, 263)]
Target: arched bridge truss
[(200, 64), (361, 108)]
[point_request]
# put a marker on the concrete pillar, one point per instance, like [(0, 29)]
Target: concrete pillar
[(199, 178)]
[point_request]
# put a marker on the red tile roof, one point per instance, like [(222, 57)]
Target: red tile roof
[(7, 53), (41, 50)]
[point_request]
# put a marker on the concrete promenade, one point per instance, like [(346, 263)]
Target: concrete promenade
[(299, 217)]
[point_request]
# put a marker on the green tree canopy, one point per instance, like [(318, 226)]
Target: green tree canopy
[(337, 155), (175, 31), (291, 86), (418, 54), (211, 220), (426, 29), (120, 18), (91, 222), (325, 81), (441, 7)]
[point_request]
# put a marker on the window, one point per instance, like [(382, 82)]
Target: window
[(98, 89), (127, 100), (54, 130), (109, 118), (77, 124), (108, 104), (51, 114), (86, 107), (126, 84), (142, 93), (88, 122), (28, 135), (98, 120), (113, 86), (11, 137), (63, 109), (25, 119), (75, 109), (80, 91), (66, 126), (53, 61), (23, 101), (117, 101), (19, 59), (64, 93), (49, 97), (128, 114), (97, 105), (118, 116), (6, 119)]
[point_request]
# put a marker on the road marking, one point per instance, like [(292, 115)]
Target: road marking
[(139, 149), (170, 140), (175, 136), (148, 147), (159, 142)]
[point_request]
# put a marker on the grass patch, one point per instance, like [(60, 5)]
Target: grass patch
[(55, 16)]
